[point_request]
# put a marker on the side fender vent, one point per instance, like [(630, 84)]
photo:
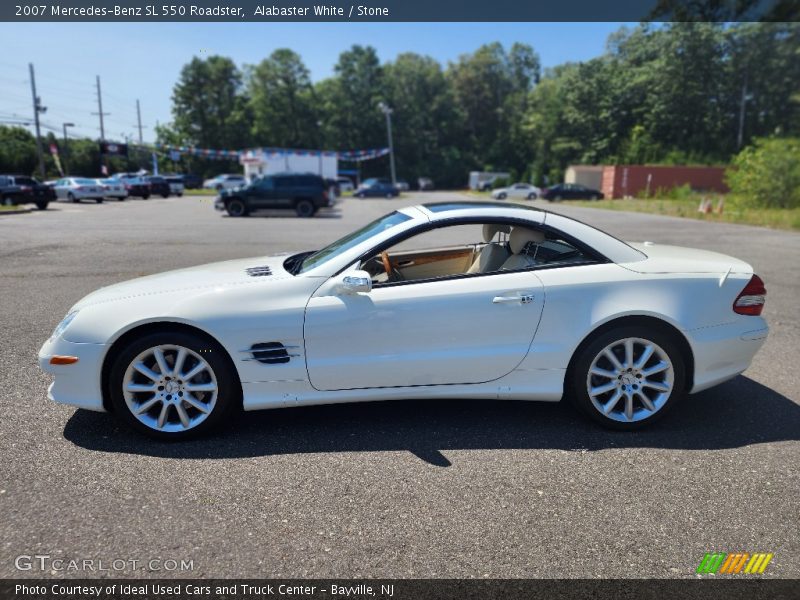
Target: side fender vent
[(270, 353), (259, 271)]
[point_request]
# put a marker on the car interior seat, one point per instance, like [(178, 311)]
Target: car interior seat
[(519, 241), (493, 254)]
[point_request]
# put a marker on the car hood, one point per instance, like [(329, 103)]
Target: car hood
[(662, 258), (199, 279)]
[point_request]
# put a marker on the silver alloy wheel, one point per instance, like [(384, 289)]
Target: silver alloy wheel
[(630, 380), (170, 388)]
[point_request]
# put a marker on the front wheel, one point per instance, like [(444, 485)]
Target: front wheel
[(236, 208), (165, 195), (8, 201), (501, 196), (172, 385), (98, 200), (628, 377), (531, 196), (42, 204), (71, 197), (145, 196)]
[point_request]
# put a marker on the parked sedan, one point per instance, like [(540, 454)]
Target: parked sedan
[(518, 190), (396, 311), (21, 189), (345, 184), (377, 188), (571, 191), (76, 189), (224, 182), (135, 185), (113, 188), (425, 184), (176, 185), (402, 185)]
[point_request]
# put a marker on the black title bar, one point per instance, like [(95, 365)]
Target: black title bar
[(401, 10)]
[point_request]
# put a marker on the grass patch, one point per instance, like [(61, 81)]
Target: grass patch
[(13, 208), (734, 210), (200, 192)]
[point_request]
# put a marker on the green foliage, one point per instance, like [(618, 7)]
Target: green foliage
[(17, 151), (501, 182), (767, 173)]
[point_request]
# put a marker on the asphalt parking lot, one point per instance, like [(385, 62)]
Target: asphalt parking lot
[(399, 489)]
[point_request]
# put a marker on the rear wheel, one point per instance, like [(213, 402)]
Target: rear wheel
[(9, 201), (628, 377), (501, 196), (71, 197), (98, 200), (532, 196), (42, 204), (305, 208), (236, 208), (594, 197), (165, 195), (173, 385), (145, 196)]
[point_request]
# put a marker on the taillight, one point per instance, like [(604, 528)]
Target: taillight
[(751, 299)]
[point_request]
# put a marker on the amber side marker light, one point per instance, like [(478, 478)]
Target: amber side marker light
[(63, 360)]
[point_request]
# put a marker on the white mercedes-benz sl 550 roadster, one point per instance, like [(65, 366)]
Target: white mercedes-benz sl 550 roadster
[(444, 300)]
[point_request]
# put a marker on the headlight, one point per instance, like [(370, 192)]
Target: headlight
[(63, 325)]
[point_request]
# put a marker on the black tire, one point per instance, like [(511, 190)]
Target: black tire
[(531, 196), (501, 196), (180, 194), (557, 198), (98, 200), (220, 187), (236, 208), (594, 197), (145, 196), (42, 204), (9, 201), (120, 198), (304, 208), (578, 376), (228, 397), (71, 197), (165, 195)]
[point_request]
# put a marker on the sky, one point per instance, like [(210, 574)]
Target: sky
[(143, 61)]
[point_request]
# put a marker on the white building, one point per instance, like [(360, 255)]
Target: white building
[(269, 161)]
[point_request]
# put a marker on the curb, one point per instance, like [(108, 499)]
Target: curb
[(18, 211)]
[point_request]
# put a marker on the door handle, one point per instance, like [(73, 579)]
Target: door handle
[(521, 299), (405, 263)]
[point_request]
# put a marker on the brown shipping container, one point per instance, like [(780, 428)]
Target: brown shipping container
[(620, 181)]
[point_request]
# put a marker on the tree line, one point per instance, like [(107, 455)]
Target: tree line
[(677, 93)]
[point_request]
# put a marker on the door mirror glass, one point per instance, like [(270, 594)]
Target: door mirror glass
[(355, 282)]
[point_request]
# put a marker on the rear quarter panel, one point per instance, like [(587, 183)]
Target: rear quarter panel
[(579, 299)]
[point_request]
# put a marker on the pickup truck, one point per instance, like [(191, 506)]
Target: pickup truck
[(21, 189)]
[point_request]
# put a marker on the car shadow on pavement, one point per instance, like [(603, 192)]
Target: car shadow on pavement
[(737, 413)]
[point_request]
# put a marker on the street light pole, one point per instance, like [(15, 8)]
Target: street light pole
[(66, 148), (387, 111)]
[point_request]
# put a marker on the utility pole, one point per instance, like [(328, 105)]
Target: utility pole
[(64, 160), (100, 111), (37, 108), (386, 110), (742, 108), (102, 126), (139, 121)]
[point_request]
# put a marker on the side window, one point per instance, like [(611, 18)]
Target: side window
[(471, 249), (283, 183), (266, 184)]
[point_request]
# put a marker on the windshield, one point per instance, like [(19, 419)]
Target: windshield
[(352, 240)]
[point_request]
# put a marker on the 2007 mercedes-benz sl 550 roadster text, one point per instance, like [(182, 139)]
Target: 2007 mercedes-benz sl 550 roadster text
[(444, 300)]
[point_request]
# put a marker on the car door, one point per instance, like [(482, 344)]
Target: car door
[(453, 330), (260, 194), (283, 197)]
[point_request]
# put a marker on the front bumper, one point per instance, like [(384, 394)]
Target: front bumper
[(219, 203), (725, 351), (77, 384)]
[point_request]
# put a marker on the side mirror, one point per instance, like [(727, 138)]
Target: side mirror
[(355, 282)]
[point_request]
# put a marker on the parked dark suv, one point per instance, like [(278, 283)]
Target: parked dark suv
[(158, 186), (21, 189), (305, 194)]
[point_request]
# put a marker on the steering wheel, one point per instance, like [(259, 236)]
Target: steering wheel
[(387, 265)]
